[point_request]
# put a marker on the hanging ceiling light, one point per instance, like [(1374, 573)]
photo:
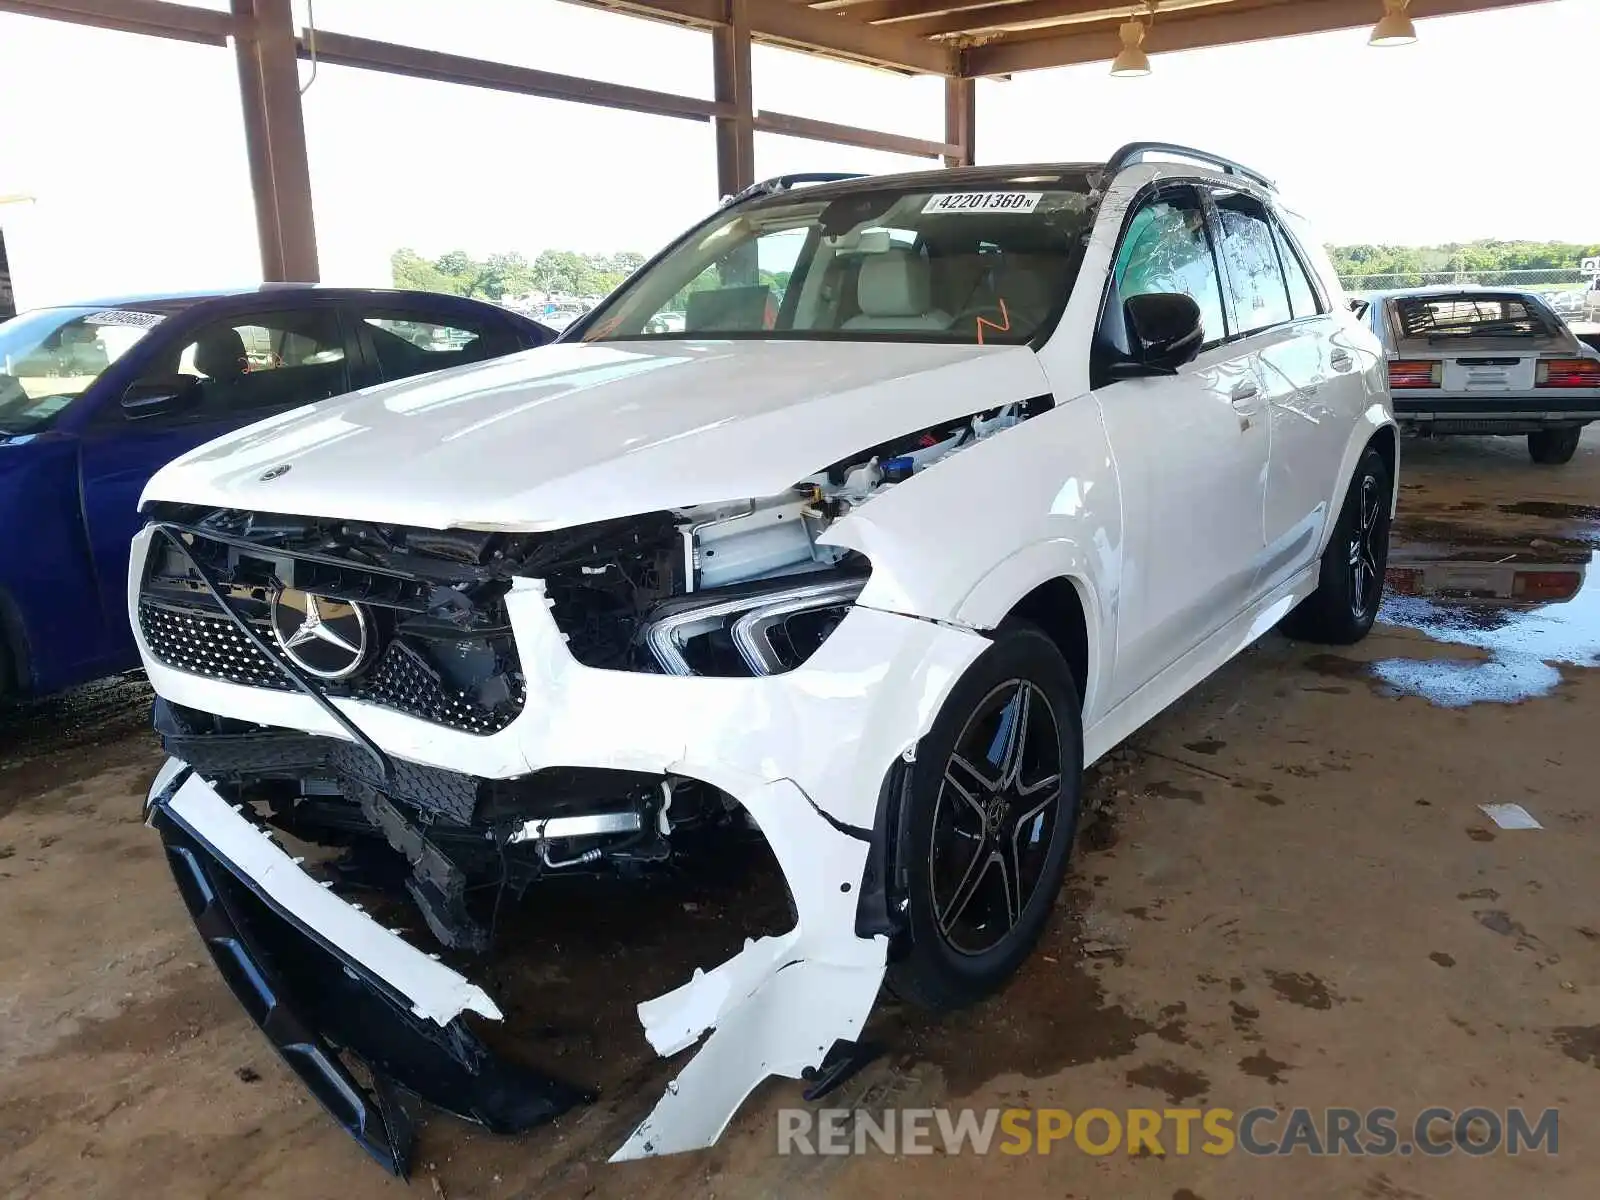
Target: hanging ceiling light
[(1132, 61), (1394, 28)]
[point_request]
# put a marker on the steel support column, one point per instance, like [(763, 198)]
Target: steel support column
[(960, 119), (730, 63), (275, 136)]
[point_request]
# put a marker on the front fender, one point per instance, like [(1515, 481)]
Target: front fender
[(994, 596), (965, 540)]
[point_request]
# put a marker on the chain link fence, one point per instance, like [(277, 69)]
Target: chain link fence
[(1567, 278), (1567, 290)]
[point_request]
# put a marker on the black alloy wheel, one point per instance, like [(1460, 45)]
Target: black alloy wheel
[(992, 819), (1350, 585), (987, 822), (1366, 577)]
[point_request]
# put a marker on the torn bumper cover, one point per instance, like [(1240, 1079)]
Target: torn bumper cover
[(326, 984), (805, 754)]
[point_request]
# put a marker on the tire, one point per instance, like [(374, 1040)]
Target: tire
[(1552, 447), (1344, 606), (971, 825)]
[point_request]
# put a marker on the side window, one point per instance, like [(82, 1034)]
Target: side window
[(1302, 296), (1166, 249), (263, 360), (408, 343), (1255, 280)]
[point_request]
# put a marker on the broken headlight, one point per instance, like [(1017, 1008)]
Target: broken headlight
[(762, 631)]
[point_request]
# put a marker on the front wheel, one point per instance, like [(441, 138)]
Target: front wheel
[(1344, 606), (1552, 447), (988, 822)]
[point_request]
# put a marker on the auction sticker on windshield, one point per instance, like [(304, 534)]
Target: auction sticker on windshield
[(982, 202)]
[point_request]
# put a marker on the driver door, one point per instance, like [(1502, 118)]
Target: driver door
[(1190, 449)]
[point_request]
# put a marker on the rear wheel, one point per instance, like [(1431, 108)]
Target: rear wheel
[(1344, 606), (989, 822), (1552, 447)]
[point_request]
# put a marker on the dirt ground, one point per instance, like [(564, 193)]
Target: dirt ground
[(1291, 899)]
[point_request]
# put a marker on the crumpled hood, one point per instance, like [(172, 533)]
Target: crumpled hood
[(573, 433)]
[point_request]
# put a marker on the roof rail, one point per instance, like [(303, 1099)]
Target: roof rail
[(1135, 152), (782, 183)]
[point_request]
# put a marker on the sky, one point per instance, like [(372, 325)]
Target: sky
[(138, 177)]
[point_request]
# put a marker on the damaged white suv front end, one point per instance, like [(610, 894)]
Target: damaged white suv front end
[(695, 660), (840, 555)]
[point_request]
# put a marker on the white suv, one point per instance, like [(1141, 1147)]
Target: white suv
[(867, 513)]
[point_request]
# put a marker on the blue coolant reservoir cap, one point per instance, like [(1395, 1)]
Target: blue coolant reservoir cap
[(897, 469)]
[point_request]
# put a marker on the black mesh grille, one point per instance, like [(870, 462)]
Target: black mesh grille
[(404, 681), (205, 644), (212, 645)]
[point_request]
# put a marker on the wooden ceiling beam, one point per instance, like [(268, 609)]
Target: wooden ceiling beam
[(1232, 24), (789, 125), (890, 11), (794, 26), (183, 22), (1001, 15)]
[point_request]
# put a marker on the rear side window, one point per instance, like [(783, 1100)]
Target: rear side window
[(411, 343), (1465, 316), (260, 361), (1302, 296), (1250, 259), (1166, 249)]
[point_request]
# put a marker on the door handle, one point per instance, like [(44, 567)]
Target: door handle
[(1340, 360), (1243, 399)]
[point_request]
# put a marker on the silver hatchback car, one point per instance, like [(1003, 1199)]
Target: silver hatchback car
[(1487, 361)]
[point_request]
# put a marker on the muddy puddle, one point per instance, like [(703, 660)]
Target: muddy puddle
[(1531, 605)]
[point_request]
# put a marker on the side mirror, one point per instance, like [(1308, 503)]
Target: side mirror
[(1357, 305), (156, 397), (1164, 332)]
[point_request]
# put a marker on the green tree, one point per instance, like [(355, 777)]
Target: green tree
[(1485, 258), (410, 270), (503, 275), (456, 262), (558, 271)]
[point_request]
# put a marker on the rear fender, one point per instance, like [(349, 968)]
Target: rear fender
[(1376, 417)]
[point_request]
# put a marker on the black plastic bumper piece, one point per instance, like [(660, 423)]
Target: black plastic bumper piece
[(320, 1010), (1553, 406)]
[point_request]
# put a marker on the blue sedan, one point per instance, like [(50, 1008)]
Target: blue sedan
[(96, 397)]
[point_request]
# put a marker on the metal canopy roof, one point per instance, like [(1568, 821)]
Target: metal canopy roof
[(974, 38), (960, 40)]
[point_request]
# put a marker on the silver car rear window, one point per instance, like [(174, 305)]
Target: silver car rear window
[(1470, 316)]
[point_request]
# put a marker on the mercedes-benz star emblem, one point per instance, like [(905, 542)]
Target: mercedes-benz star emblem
[(323, 637)]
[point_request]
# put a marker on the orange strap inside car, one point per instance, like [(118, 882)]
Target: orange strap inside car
[(1001, 326)]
